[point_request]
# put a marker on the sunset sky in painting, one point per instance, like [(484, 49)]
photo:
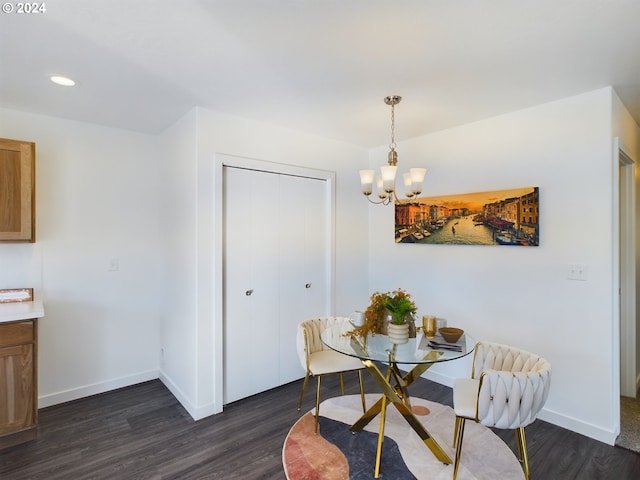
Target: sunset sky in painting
[(474, 201)]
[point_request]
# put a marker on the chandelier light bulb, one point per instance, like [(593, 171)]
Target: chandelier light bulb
[(417, 177), (366, 180), (408, 184), (389, 177), (382, 195)]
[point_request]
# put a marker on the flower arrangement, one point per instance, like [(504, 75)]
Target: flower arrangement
[(398, 303)]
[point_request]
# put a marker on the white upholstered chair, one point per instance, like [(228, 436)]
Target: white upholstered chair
[(507, 389), (318, 360)]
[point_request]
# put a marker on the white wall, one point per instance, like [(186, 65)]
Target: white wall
[(178, 328), (521, 295), (627, 131), (96, 200), (192, 324)]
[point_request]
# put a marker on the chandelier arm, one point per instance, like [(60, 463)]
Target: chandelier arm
[(392, 198), (383, 201)]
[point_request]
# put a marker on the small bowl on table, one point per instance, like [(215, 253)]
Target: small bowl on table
[(451, 334)]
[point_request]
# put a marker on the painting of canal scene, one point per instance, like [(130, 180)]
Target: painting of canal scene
[(503, 217)]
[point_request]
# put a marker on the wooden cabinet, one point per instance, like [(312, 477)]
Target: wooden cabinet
[(18, 382), (17, 191)]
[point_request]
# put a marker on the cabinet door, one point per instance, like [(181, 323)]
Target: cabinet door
[(251, 282), (17, 191), (304, 250), (16, 392)]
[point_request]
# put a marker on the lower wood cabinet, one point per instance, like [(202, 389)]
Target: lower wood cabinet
[(18, 382)]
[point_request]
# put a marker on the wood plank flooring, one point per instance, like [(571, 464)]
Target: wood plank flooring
[(142, 432)]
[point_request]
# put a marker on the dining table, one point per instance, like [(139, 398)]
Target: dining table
[(416, 357)]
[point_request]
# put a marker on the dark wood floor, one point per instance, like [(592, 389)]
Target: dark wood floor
[(142, 432)]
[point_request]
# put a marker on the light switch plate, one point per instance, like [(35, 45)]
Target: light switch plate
[(578, 271)]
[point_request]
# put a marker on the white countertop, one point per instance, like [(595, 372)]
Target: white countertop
[(10, 312)]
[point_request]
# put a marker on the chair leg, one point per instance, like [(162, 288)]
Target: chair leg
[(318, 403), (458, 434), (304, 389), (523, 456), (455, 431), (364, 403), (341, 384)]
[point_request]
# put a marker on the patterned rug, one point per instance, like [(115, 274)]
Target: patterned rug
[(336, 453)]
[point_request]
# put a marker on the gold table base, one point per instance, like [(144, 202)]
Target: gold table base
[(398, 395)]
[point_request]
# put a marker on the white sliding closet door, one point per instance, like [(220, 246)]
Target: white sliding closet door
[(251, 289), (304, 250), (276, 274)]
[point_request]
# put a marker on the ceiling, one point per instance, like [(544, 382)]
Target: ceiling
[(318, 66)]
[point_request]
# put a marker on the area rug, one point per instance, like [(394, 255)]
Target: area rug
[(335, 453)]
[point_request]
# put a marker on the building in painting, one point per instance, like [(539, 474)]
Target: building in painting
[(528, 215)]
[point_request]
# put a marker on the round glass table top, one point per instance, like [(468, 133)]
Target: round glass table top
[(378, 348)]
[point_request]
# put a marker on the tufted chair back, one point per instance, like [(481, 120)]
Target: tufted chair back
[(514, 385), (309, 332), (507, 389)]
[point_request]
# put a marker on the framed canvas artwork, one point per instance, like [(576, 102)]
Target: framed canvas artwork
[(502, 217)]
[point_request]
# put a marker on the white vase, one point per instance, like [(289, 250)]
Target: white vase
[(398, 333)]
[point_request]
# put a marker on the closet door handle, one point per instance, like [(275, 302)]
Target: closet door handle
[(308, 285), (248, 292)]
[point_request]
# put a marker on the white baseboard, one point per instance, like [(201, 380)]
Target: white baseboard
[(439, 378), (578, 426), (95, 388), (196, 412)]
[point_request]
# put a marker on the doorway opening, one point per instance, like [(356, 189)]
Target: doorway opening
[(629, 400)]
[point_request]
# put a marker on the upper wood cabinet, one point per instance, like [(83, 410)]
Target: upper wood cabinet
[(17, 191)]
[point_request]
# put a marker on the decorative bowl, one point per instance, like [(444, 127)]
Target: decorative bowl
[(451, 334)]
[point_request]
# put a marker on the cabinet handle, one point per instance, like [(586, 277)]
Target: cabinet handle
[(308, 285), (248, 292)]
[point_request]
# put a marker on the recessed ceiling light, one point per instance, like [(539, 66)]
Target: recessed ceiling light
[(60, 80)]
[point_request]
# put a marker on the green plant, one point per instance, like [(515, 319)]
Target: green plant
[(399, 304)]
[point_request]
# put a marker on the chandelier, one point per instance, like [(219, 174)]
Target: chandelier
[(386, 181)]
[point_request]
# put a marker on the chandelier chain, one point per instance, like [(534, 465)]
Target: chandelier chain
[(392, 145)]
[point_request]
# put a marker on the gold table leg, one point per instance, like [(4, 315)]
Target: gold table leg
[(383, 415), (398, 395)]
